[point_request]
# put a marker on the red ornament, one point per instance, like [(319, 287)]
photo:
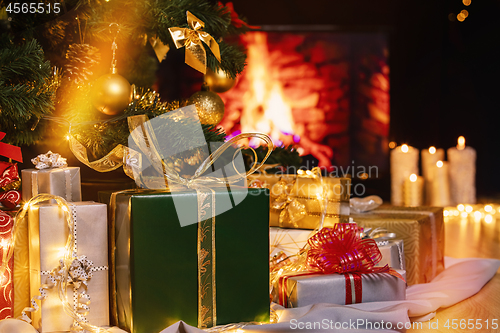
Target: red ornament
[(9, 173)]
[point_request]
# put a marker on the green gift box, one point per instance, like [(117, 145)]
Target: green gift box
[(156, 260)]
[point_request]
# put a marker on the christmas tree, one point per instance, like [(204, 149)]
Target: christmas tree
[(55, 62), (79, 68)]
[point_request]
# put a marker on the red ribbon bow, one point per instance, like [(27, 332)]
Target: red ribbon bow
[(341, 250), (10, 151)]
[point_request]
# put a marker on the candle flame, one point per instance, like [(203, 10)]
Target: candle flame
[(432, 150), (439, 164), (461, 143), (392, 144), (413, 177), (404, 148)]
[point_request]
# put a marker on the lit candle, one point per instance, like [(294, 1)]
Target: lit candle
[(440, 185), (413, 188), (462, 171), (404, 162), (429, 159)]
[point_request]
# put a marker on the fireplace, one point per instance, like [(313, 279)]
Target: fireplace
[(324, 90)]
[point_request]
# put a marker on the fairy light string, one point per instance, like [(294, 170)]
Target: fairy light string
[(66, 261)]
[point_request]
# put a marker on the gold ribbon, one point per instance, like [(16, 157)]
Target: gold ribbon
[(142, 133), (119, 156), (144, 137), (160, 49), (196, 56)]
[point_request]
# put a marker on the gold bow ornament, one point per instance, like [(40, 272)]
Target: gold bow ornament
[(196, 56)]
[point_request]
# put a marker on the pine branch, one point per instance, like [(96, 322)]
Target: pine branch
[(27, 90)]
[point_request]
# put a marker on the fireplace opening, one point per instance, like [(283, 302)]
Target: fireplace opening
[(326, 91)]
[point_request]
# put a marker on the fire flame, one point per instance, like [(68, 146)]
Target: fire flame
[(265, 107)]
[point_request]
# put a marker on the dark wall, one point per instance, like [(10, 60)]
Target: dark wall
[(444, 73)]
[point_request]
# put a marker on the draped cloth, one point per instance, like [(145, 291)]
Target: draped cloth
[(462, 278)]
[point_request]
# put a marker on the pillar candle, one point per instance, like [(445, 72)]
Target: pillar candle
[(439, 185), (404, 162), (462, 169), (413, 191), (429, 160)]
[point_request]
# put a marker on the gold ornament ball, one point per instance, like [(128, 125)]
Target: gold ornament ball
[(110, 94), (218, 81), (209, 105)]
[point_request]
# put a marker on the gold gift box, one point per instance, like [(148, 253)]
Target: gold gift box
[(421, 229), (308, 191)]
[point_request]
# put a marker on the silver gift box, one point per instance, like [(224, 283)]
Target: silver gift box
[(64, 182), (331, 288)]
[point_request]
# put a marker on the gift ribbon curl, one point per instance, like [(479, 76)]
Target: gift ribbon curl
[(144, 137), (196, 56), (49, 160)]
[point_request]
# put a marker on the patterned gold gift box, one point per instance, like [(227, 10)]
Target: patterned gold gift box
[(300, 204), (421, 229)]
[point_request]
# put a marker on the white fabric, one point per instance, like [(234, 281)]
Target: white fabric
[(461, 279), (181, 327), (16, 326)]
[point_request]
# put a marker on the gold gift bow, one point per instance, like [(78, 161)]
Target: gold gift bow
[(66, 262), (143, 135), (291, 208), (196, 56), (145, 139)]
